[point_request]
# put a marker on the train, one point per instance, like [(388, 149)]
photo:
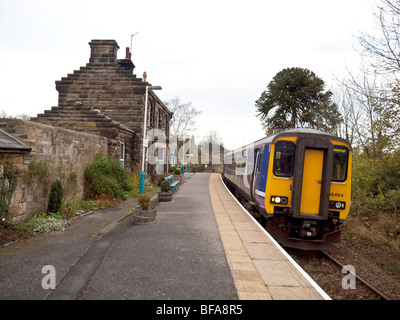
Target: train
[(296, 183)]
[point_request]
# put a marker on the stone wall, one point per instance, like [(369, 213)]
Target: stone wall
[(56, 154), (78, 117)]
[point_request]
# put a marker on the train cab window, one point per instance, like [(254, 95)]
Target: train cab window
[(340, 162), (284, 158)]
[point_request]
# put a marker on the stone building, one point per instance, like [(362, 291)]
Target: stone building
[(105, 98), (100, 109)]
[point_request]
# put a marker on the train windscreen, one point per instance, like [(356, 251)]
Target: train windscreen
[(340, 162), (284, 158)]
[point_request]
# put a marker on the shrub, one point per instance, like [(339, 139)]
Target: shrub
[(43, 223), (106, 176), (55, 197), (177, 172), (165, 186), (144, 201), (8, 184)]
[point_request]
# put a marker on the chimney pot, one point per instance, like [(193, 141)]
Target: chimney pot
[(127, 54)]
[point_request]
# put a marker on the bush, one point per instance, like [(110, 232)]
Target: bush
[(165, 186), (376, 184), (55, 197), (144, 201), (177, 172), (43, 223), (106, 176), (8, 184)]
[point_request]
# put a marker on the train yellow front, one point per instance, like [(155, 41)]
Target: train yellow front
[(296, 183)]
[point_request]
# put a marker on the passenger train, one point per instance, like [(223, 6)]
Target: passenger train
[(297, 183)]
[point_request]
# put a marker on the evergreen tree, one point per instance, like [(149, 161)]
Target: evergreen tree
[(297, 97)]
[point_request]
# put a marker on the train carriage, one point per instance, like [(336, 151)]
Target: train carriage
[(297, 183)]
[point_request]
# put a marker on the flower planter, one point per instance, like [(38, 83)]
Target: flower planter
[(165, 196), (144, 216)]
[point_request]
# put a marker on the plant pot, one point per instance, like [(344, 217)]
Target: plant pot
[(165, 196), (144, 216)]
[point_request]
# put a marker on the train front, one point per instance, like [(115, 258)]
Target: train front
[(308, 189)]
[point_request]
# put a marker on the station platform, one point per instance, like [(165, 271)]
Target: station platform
[(261, 269), (203, 246)]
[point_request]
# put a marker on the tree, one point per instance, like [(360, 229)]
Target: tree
[(182, 117), (384, 49), (296, 95), (364, 109)]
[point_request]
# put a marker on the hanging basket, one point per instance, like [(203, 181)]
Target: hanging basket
[(144, 216)]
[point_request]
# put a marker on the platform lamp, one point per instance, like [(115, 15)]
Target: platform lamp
[(145, 142)]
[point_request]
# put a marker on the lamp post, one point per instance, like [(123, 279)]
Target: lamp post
[(145, 142)]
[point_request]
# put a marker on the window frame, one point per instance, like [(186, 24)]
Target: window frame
[(293, 162), (347, 162)]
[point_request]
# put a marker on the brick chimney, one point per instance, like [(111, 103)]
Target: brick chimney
[(103, 51)]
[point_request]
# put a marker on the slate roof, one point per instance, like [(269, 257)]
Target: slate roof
[(9, 143)]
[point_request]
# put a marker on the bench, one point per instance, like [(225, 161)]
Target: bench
[(173, 184)]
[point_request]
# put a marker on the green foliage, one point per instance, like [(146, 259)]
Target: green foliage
[(144, 201), (106, 176), (297, 98), (37, 170), (172, 169), (165, 186), (376, 184), (134, 185), (43, 223), (177, 172), (55, 197), (8, 184)]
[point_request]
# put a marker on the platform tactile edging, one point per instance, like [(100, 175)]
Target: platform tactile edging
[(248, 281)]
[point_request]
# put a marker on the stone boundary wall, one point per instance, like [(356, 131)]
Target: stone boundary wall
[(56, 154)]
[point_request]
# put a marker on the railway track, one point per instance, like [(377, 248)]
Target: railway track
[(364, 282), (299, 253)]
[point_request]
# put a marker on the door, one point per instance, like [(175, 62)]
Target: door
[(311, 184)]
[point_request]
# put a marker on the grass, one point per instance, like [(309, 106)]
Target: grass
[(380, 235)]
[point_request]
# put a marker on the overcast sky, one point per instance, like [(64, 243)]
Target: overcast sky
[(218, 54)]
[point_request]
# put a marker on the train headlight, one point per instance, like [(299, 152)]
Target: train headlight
[(337, 205), (279, 200)]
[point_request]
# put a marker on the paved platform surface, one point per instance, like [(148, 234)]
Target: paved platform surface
[(202, 247), (259, 268)]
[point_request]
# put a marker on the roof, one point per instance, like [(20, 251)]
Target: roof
[(293, 132), (9, 143)]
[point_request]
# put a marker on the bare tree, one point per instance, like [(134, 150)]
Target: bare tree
[(213, 137), (4, 115), (384, 49), (363, 107), (183, 116)]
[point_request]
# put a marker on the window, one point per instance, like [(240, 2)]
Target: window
[(284, 158), (340, 161), (122, 152)]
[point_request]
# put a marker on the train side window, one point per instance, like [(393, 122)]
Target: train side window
[(284, 158), (340, 162)]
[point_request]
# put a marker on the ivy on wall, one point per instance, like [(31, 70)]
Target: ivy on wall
[(8, 184)]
